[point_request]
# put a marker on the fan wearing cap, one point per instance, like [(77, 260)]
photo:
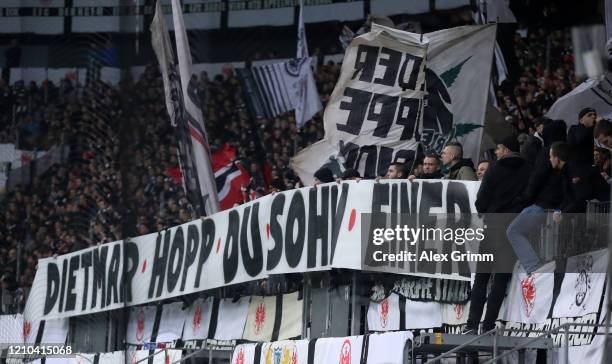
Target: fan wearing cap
[(580, 139), (323, 175)]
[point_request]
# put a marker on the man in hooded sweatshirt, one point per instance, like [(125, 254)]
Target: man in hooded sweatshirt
[(502, 183), (459, 168)]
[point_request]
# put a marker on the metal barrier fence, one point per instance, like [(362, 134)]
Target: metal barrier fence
[(575, 234)]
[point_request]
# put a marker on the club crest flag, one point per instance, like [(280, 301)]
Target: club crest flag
[(384, 315), (198, 318), (530, 296), (140, 325), (244, 354), (582, 287), (260, 320), (342, 350)]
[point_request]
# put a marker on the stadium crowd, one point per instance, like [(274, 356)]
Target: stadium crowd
[(122, 176)]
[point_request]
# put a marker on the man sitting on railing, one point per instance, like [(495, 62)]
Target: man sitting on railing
[(556, 193)]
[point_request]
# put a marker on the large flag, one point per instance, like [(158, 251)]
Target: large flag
[(594, 92), (193, 116), (302, 44), (308, 102), (274, 89), (230, 177), (369, 127)]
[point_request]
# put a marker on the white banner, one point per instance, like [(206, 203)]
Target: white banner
[(344, 350), (363, 122), (530, 295), (239, 245)]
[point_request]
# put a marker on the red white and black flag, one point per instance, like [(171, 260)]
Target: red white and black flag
[(230, 177)]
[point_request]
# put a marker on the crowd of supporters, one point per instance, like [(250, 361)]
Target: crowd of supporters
[(122, 176)]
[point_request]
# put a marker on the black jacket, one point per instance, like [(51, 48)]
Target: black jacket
[(502, 184), (532, 149), (462, 170), (580, 139), (435, 175)]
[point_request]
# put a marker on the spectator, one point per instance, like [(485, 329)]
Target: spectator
[(350, 175), (601, 156), (431, 168), (483, 165), (580, 139), (603, 134), (323, 175), (535, 143), (396, 171), (458, 167), (502, 183), (556, 194)]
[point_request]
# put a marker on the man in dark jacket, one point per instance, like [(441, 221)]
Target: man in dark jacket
[(431, 168), (555, 193), (580, 139), (502, 183), (535, 143)]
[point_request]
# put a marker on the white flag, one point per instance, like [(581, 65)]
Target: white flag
[(171, 322), (302, 44), (140, 325), (384, 315), (260, 320), (307, 102), (197, 322), (232, 318), (530, 296), (583, 285), (193, 115), (163, 50), (422, 315), (345, 350), (388, 348), (291, 316), (244, 353)]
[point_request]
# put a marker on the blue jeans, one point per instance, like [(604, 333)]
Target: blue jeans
[(530, 219)]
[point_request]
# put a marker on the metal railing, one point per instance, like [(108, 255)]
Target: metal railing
[(575, 234), (544, 335)]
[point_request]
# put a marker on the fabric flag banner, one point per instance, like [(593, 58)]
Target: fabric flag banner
[(167, 356), (302, 43), (530, 296), (171, 322), (30, 331), (586, 285), (288, 351), (230, 177), (368, 133), (140, 325), (80, 358), (244, 354), (308, 102), (387, 348), (345, 350), (11, 330), (454, 314), (115, 357), (384, 315), (291, 317), (163, 50), (193, 115), (594, 92), (422, 315), (261, 318), (232, 318), (197, 322), (277, 88), (55, 332)]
